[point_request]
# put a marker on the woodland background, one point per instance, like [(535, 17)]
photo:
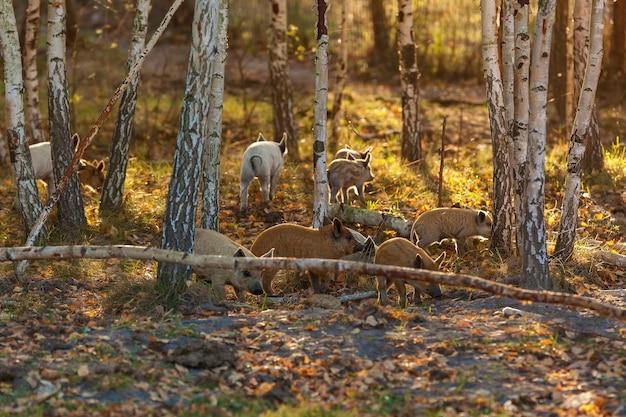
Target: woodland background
[(90, 335)]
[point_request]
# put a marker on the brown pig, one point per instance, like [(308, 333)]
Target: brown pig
[(92, 174), (346, 173), (210, 242), (452, 223), (294, 241), (401, 252)]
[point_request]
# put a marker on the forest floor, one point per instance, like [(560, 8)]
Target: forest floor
[(87, 338)]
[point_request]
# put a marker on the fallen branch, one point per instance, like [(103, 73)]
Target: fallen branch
[(613, 258), (373, 218), (318, 265)]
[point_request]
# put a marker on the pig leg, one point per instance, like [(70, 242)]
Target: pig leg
[(265, 188), (241, 295), (402, 291), (381, 284), (266, 282), (344, 195), (319, 284), (333, 194), (244, 193), (218, 289), (274, 184), (360, 190)]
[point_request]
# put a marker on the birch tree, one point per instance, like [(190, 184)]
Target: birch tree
[(23, 174), (411, 149), (340, 76), (182, 196), (535, 270), (113, 189), (502, 228), (320, 182), (71, 211), (211, 156), (519, 137), (569, 213), (31, 81), (593, 158), (282, 90)]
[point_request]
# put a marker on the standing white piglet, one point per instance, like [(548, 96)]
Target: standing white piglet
[(263, 160), (345, 173)]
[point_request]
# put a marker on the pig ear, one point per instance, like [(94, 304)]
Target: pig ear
[(261, 138), (75, 141), (418, 262), (239, 254), (337, 227), (414, 237), (440, 259), (269, 254)]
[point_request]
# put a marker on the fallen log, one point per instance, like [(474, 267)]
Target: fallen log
[(318, 265), (374, 218)]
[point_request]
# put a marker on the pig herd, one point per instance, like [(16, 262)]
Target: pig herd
[(350, 170)]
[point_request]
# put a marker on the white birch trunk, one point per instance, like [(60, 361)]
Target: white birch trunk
[(31, 82), (209, 218), (535, 272), (113, 189), (340, 77), (409, 83), (71, 211), (569, 213), (521, 111), (27, 194), (501, 229), (179, 222), (320, 181)]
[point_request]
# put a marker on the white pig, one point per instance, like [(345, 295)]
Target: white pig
[(263, 160)]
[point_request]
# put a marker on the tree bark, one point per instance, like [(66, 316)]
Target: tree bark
[(182, 198), (113, 189), (569, 212), (27, 194), (536, 274), (593, 159), (521, 110), (381, 55), (502, 228), (31, 81), (320, 181), (558, 58), (282, 90), (411, 149), (209, 218), (71, 212), (617, 59), (340, 77)]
